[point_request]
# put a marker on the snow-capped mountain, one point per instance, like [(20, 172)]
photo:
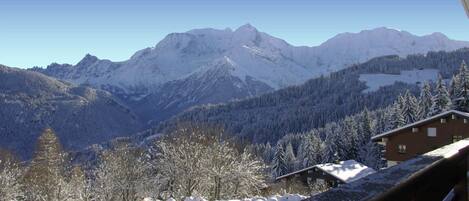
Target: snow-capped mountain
[(353, 48), (213, 66)]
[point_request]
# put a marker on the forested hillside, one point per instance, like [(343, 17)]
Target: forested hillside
[(31, 101), (349, 138), (318, 101)]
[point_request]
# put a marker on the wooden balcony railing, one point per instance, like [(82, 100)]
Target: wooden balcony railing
[(437, 175)]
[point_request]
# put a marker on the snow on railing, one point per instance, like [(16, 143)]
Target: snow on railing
[(431, 176)]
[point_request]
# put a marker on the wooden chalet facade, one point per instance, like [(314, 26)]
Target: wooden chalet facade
[(423, 136)]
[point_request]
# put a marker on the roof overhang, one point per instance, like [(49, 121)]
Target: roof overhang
[(466, 6), (418, 123), (323, 168)]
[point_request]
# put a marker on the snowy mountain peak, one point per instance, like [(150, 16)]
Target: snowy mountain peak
[(88, 60), (246, 28), (439, 35), (242, 54)]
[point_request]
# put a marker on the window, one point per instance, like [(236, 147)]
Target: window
[(431, 132), (402, 148), (457, 138)]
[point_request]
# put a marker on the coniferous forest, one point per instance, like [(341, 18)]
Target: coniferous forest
[(198, 159)]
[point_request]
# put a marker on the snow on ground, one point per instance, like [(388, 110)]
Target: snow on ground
[(375, 81), (286, 197)]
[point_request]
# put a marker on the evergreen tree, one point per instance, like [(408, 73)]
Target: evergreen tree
[(290, 158), (406, 104), (311, 149), (441, 99), (268, 153), (426, 101), (370, 155), (279, 165), (45, 176), (454, 87), (411, 109), (461, 93), (350, 130), (366, 128), (332, 142), (398, 113)]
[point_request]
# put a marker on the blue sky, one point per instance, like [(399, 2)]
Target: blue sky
[(39, 32)]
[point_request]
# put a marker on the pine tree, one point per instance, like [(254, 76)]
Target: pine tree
[(366, 129), (454, 86), (398, 113), (311, 149), (461, 93), (290, 158), (426, 101), (279, 166), (332, 143), (370, 155), (45, 176), (408, 107), (350, 130), (268, 153), (413, 108), (441, 99)]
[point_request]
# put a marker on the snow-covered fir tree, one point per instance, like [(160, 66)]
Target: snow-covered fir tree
[(351, 136), (441, 98), (461, 92), (290, 158), (268, 153), (425, 102), (310, 151), (279, 163)]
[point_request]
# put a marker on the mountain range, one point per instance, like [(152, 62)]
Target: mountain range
[(205, 66), (97, 100)]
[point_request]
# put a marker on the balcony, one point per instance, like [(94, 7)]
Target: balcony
[(437, 175)]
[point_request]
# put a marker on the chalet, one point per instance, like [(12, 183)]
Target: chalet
[(423, 136), (331, 174)]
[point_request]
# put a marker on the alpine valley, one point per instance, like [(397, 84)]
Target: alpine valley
[(198, 67)]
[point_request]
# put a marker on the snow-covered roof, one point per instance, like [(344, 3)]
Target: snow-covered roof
[(391, 178), (296, 172), (464, 114), (346, 171)]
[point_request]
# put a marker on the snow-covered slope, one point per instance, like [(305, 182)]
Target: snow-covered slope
[(375, 81), (252, 63)]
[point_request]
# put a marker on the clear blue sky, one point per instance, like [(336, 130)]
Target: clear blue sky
[(38, 32)]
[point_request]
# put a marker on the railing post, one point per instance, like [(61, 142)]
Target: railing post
[(460, 189)]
